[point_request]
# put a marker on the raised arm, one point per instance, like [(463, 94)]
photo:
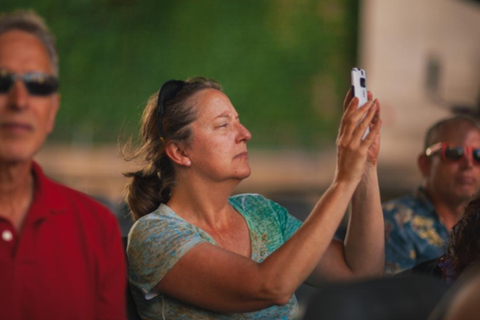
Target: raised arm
[(216, 279), (362, 253), (365, 242)]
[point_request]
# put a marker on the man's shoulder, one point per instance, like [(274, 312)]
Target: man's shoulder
[(404, 200), (74, 196), (77, 203), (416, 200)]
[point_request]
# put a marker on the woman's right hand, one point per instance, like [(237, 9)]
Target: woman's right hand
[(352, 151)]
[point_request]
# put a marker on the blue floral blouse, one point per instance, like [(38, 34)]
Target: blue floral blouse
[(158, 240)]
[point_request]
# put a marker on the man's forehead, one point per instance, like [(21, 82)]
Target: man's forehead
[(456, 131), (23, 52)]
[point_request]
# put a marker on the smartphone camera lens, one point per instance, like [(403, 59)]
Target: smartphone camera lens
[(362, 83)]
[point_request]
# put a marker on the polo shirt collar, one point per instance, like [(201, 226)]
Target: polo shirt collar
[(47, 200)]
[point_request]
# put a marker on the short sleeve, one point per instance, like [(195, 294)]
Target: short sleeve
[(400, 252), (267, 218), (155, 243), (288, 223)]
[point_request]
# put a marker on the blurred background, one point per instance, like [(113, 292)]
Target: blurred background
[(285, 66)]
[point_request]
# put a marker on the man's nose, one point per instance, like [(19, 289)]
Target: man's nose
[(18, 95), (467, 160)]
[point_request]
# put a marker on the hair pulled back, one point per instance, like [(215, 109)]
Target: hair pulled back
[(152, 184)]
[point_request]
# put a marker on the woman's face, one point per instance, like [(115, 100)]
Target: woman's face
[(218, 151)]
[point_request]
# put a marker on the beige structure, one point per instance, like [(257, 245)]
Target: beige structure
[(399, 38)]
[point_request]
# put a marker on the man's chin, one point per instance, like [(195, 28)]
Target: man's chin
[(16, 156), (467, 194)]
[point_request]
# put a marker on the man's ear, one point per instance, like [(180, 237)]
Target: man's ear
[(424, 163), (177, 153)]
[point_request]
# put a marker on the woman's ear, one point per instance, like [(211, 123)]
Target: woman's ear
[(177, 153), (424, 165)]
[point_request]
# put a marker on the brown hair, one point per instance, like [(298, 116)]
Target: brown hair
[(152, 184), (30, 22), (464, 246)]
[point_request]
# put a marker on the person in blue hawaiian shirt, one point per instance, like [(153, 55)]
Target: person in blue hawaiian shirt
[(196, 252), (417, 225)]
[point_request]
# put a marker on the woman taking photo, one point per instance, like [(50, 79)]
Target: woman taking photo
[(196, 252)]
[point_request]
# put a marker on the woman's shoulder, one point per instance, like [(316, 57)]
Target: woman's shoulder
[(252, 202), (162, 219), (257, 205), (246, 199)]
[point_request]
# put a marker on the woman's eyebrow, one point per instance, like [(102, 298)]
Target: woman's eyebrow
[(226, 115)]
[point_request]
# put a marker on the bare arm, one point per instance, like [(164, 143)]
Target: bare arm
[(364, 244), (363, 252), (219, 280), (365, 240)]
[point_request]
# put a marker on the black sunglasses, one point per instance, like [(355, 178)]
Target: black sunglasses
[(37, 83), (167, 92), (454, 153)]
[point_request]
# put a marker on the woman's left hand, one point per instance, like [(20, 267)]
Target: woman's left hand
[(373, 150)]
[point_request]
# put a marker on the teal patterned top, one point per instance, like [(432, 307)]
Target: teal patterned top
[(158, 240)]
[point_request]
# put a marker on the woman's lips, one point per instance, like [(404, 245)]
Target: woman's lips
[(242, 155)]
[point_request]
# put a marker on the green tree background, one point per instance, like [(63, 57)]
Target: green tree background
[(284, 64)]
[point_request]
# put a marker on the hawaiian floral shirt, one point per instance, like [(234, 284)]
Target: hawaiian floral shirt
[(413, 232)]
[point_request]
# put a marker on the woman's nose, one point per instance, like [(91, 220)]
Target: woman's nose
[(244, 134)]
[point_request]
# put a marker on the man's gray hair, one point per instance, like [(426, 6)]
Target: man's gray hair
[(30, 22)]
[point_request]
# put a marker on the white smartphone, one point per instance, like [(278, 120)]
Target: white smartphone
[(359, 89)]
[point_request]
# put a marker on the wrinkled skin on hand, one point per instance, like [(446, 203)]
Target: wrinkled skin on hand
[(353, 153)]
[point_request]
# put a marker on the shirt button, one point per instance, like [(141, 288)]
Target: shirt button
[(7, 235)]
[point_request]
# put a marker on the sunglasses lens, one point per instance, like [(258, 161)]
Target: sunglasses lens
[(476, 155), (454, 153), (40, 85), (5, 82)]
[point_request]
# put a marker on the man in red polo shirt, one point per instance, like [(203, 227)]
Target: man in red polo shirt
[(61, 255)]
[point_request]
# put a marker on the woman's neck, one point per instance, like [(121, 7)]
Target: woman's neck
[(202, 203)]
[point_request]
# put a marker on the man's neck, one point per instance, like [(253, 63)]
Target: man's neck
[(448, 212), (16, 192)]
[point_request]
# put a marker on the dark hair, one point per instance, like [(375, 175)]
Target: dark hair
[(433, 133), (464, 247), (30, 22), (151, 185)]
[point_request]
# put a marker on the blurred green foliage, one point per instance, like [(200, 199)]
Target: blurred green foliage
[(284, 64)]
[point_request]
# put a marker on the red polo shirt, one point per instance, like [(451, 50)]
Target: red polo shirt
[(67, 263)]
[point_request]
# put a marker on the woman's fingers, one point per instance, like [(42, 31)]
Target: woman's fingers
[(374, 124), (352, 118), (369, 95), (352, 105), (352, 150), (348, 99), (364, 123)]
